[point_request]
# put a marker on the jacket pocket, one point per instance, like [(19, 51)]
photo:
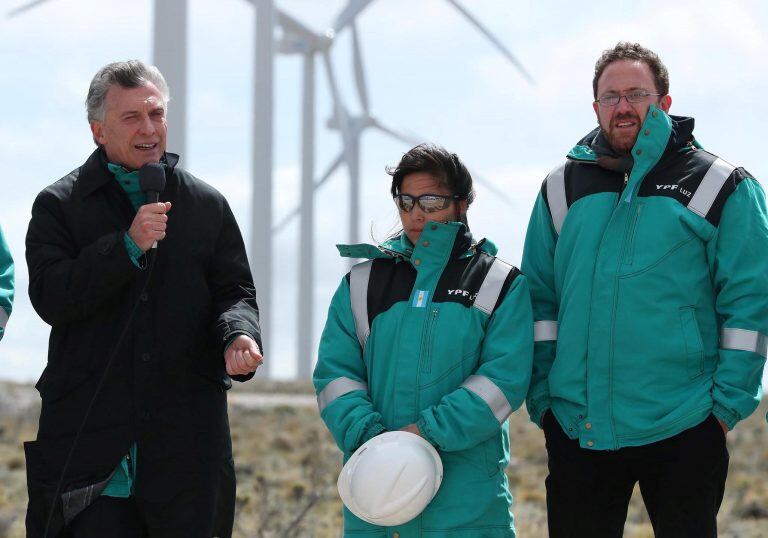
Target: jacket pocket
[(59, 380), (629, 253), (213, 371), (493, 455), (694, 347)]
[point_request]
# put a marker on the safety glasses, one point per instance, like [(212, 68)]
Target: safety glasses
[(428, 203)]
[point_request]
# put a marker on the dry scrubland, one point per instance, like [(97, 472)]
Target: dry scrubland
[(287, 467)]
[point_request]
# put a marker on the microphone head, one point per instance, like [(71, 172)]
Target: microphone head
[(152, 177)]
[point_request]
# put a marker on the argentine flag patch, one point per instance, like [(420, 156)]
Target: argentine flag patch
[(420, 299)]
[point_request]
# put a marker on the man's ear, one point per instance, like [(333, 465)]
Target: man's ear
[(98, 133), (665, 103)]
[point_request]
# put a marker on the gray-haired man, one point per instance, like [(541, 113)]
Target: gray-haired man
[(133, 438)]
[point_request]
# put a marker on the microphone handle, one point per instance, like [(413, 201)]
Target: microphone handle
[(153, 197)]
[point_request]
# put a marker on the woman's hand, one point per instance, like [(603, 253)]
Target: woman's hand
[(411, 428)]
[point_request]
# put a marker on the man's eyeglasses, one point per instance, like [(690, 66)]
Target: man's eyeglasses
[(633, 97), (428, 203)]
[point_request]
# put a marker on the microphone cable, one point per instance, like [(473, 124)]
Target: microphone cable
[(99, 386)]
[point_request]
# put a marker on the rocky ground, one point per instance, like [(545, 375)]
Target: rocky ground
[(287, 467)]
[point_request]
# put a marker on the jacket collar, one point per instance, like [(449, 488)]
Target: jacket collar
[(453, 236), (666, 136), (660, 138), (95, 173)]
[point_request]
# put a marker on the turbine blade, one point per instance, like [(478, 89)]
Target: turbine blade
[(357, 58), (26, 7), (491, 187), (291, 24), (492, 38), (319, 183), (330, 170), (348, 14), (397, 135)]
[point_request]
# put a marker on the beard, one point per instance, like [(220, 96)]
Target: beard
[(622, 139)]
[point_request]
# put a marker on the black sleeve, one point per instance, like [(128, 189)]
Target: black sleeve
[(232, 289), (67, 285)]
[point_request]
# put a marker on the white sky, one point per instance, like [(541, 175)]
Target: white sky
[(429, 73)]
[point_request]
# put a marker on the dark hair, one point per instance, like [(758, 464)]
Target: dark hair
[(625, 50), (438, 162)]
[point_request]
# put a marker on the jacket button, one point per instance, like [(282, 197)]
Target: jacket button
[(647, 132), (639, 152), (590, 443), (144, 297), (433, 227), (417, 262), (581, 417), (655, 113), (425, 243), (588, 425), (145, 357), (396, 535)]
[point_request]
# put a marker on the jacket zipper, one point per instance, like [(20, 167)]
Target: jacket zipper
[(623, 188), (426, 342)]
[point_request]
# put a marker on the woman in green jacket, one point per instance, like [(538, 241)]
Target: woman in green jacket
[(432, 335)]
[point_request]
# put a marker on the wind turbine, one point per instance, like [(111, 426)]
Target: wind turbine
[(169, 55), (352, 127)]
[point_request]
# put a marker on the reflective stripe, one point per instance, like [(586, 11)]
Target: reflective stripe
[(544, 331), (490, 289), (744, 340), (358, 296), (490, 394), (710, 186), (338, 387), (558, 206), (3, 318)]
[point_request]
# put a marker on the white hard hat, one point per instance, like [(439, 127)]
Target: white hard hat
[(391, 478)]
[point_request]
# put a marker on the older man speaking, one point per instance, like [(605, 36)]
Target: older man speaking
[(133, 438)]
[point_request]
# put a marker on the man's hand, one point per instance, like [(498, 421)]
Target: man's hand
[(149, 224), (243, 356), (411, 428), (723, 426)]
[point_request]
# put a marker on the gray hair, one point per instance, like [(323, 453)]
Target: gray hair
[(128, 74)]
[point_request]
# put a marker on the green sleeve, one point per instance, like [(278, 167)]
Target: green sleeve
[(6, 283), (134, 251), (462, 418), (538, 266), (351, 416), (739, 266)]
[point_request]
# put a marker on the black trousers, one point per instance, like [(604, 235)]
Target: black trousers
[(682, 481), (109, 517)]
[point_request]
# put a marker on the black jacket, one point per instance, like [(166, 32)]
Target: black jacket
[(166, 387)]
